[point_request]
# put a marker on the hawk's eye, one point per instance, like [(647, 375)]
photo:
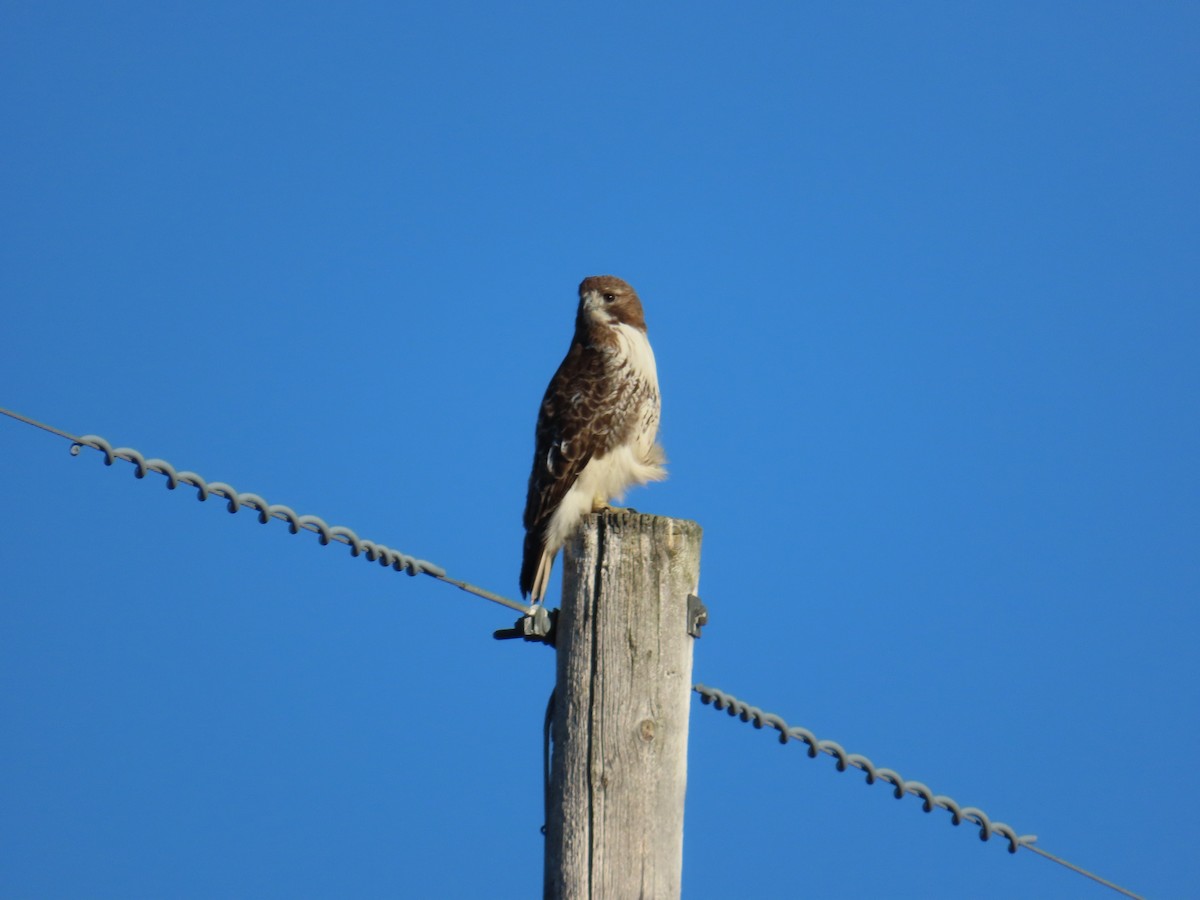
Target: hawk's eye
[(609, 298)]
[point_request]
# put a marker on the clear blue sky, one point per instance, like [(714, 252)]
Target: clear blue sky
[(922, 283)]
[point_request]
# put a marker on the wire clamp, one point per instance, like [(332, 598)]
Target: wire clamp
[(697, 615), (537, 625)]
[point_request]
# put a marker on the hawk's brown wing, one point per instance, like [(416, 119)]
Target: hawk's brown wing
[(574, 424)]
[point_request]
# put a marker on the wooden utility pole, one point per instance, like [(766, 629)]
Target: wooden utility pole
[(622, 695)]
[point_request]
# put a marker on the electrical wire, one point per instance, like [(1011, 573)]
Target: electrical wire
[(900, 786), (235, 500)]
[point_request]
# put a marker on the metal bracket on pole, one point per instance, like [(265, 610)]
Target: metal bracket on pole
[(536, 625), (697, 614)]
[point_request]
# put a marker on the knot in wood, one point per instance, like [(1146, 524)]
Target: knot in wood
[(646, 730)]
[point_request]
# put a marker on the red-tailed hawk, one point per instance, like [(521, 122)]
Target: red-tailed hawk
[(596, 426)]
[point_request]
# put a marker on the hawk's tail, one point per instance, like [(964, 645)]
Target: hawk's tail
[(535, 566)]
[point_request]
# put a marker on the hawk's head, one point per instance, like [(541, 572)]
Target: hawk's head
[(607, 300)]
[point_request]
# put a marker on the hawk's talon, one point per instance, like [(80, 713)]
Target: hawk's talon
[(610, 508)]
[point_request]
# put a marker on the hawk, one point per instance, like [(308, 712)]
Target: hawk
[(596, 427)]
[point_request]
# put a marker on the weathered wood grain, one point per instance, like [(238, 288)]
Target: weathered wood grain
[(620, 730)]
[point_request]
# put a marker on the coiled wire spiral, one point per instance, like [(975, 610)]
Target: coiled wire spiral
[(235, 500), (900, 786)]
